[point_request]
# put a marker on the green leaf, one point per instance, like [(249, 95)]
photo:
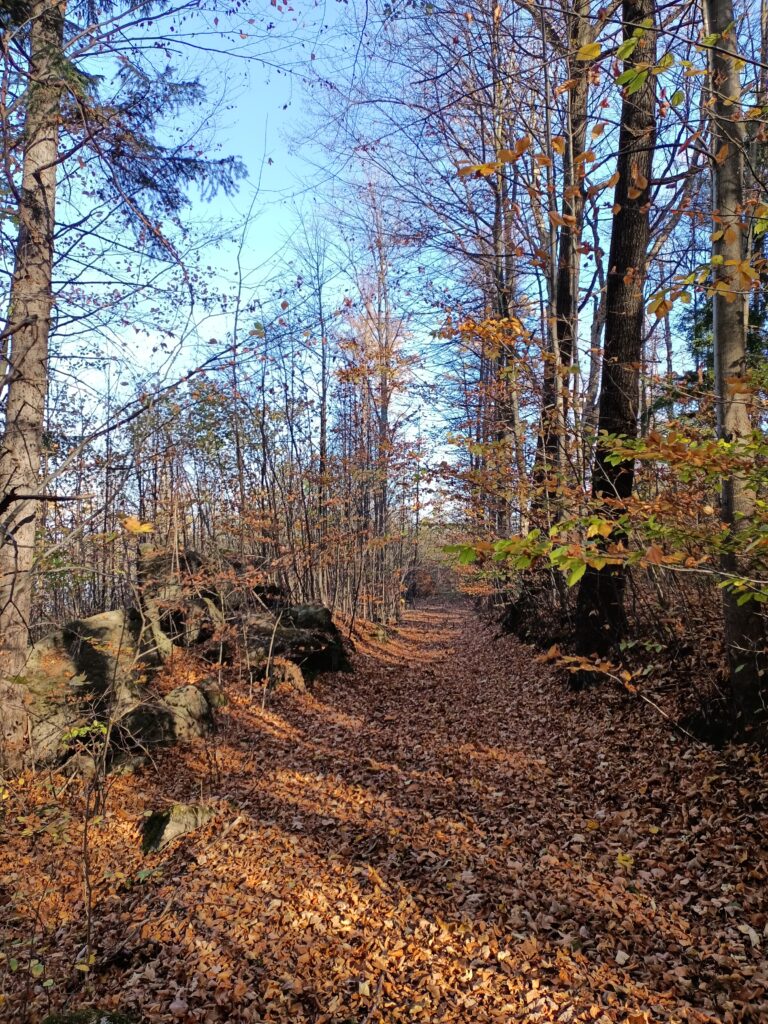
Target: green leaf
[(627, 76), (677, 97), (637, 84), (467, 556), (710, 40), (627, 48), (576, 574)]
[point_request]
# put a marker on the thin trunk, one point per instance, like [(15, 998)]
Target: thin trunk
[(744, 634)]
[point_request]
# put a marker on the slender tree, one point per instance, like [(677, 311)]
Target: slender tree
[(744, 627)]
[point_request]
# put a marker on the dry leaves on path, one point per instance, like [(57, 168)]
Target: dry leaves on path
[(447, 836)]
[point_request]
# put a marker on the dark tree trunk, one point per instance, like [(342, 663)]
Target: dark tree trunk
[(600, 614)]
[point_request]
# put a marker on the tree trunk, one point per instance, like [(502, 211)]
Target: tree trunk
[(600, 616), (28, 326), (744, 633)]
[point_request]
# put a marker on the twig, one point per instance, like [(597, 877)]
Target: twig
[(269, 662)]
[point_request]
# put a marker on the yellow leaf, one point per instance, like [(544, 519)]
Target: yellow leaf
[(133, 525), (589, 51), (482, 169), (625, 860), (592, 824)]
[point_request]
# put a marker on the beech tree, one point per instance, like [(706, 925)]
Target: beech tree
[(600, 615)]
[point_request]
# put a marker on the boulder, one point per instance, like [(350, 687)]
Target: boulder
[(178, 606), (191, 712), (150, 723), (284, 676), (213, 692), (184, 714), (89, 672), (310, 616), (161, 827), (86, 671), (313, 649)]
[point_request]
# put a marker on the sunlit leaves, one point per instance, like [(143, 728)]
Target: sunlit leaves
[(589, 51), (133, 525)]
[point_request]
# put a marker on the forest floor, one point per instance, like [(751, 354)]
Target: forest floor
[(445, 835)]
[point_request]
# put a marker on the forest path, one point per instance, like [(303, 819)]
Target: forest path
[(445, 835)]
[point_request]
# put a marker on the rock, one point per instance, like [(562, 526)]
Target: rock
[(191, 712), (285, 676), (185, 713), (213, 693), (161, 827), (93, 659), (92, 1016), (310, 616), (177, 607), (150, 723), (81, 673), (104, 650), (313, 650)]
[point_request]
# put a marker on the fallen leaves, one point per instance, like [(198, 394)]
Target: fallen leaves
[(445, 836)]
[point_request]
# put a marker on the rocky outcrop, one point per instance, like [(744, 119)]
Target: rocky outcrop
[(96, 673), (177, 608), (92, 673)]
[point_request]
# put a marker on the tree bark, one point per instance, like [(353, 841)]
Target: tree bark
[(744, 631), (28, 325), (600, 615)]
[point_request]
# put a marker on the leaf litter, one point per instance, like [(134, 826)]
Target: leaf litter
[(446, 835)]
